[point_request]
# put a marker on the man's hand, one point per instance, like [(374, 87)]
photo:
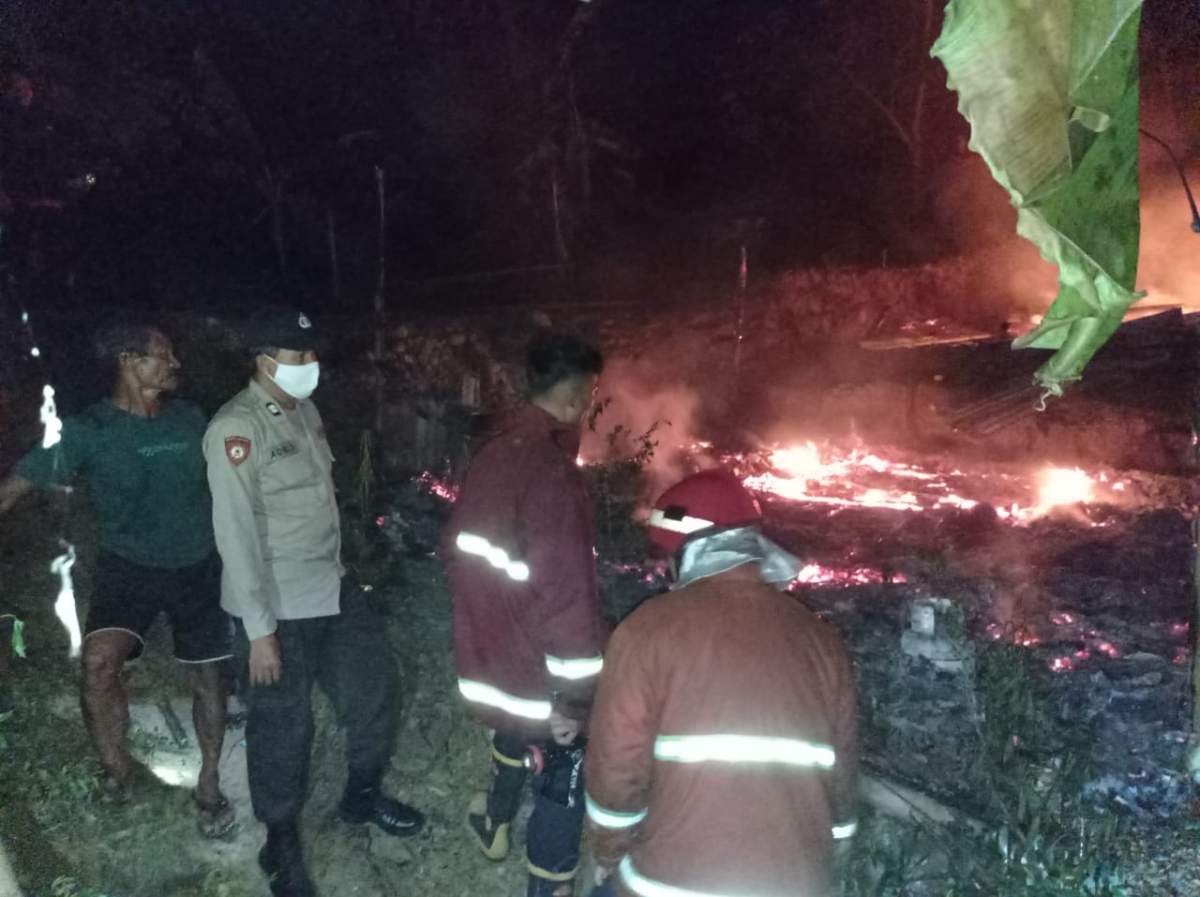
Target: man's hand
[(562, 728), (266, 662)]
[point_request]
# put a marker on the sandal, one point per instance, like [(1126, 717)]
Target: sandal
[(215, 820)]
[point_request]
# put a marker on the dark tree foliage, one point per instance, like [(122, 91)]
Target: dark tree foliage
[(195, 150)]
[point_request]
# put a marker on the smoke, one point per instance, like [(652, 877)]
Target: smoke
[(1169, 266), (645, 408), (1012, 278)]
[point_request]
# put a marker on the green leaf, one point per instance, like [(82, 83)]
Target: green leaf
[(18, 637), (1050, 88)]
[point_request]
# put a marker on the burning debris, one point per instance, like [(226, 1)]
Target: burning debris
[(827, 475), (924, 562), (817, 574)]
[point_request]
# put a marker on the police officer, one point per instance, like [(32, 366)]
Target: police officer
[(277, 529)]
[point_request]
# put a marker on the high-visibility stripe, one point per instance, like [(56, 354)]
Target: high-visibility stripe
[(482, 693), (546, 875), (684, 525), (577, 668), (743, 749), (611, 818), (469, 543), (648, 887), (841, 832)]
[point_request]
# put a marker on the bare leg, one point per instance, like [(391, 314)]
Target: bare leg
[(208, 715), (105, 704)]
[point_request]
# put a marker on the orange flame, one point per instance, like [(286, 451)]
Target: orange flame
[(1059, 486), (807, 473)]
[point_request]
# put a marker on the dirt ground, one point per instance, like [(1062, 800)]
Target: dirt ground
[(65, 841)]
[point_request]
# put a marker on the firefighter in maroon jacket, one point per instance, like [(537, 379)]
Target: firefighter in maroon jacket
[(723, 756), (527, 627)]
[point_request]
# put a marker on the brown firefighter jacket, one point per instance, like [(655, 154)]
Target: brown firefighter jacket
[(722, 756), (519, 554)]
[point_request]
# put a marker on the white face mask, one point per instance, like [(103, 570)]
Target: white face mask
[(297, 380)]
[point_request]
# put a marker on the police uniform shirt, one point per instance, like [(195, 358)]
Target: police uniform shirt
[(275, 515)]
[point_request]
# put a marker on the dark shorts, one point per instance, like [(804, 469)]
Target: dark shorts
[(130, 596)]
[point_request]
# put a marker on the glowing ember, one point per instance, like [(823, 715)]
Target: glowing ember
[(1108, 648), (802, 473), (826, 475), (1061, 664), (815, 574), (438, 487)]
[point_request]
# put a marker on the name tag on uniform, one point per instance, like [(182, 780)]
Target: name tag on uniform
[(283, 450)]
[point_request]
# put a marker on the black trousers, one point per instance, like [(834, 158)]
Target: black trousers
[(349, 657), (556, 826)]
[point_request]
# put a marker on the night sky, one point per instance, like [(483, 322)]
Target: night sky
[(221, 132)]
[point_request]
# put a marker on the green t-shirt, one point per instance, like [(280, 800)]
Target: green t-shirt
[(146, 476)]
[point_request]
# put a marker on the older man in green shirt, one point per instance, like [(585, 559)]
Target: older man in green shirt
[(139, 453)]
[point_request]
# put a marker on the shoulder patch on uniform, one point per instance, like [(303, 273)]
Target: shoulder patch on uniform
[(237, 449), (274, 409)]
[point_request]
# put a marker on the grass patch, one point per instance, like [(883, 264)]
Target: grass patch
[(1024, 780)]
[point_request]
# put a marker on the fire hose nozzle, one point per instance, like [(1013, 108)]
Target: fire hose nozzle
[(538, 758), (534, 759)]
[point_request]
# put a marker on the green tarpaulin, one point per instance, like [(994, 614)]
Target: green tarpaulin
[(1050, 88)]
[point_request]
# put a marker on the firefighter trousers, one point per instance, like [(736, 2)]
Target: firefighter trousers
[(349, 657), (556, 826)]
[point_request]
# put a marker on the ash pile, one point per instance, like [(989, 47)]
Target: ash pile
[(1092, 654)]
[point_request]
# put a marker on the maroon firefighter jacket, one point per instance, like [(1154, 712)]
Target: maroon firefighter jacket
[(520, 559), (722, 755)]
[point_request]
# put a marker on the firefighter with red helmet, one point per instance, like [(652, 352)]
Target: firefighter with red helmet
[(520, 557), (722, 754)]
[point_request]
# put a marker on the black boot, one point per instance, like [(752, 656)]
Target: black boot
[(283, 862), (361, 806)]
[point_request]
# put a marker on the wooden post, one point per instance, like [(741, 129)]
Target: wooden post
[(335, 274), (380, 317), (560, 242), (274, 189), (1192, 756), (1193, 748), (741, 316)]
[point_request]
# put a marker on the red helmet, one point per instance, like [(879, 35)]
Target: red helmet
[(712, 499)]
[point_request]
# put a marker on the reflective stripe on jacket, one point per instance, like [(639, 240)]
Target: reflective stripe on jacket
[(722, 753), (519, 554)]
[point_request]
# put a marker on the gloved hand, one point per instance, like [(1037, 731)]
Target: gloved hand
[(563, 729)]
